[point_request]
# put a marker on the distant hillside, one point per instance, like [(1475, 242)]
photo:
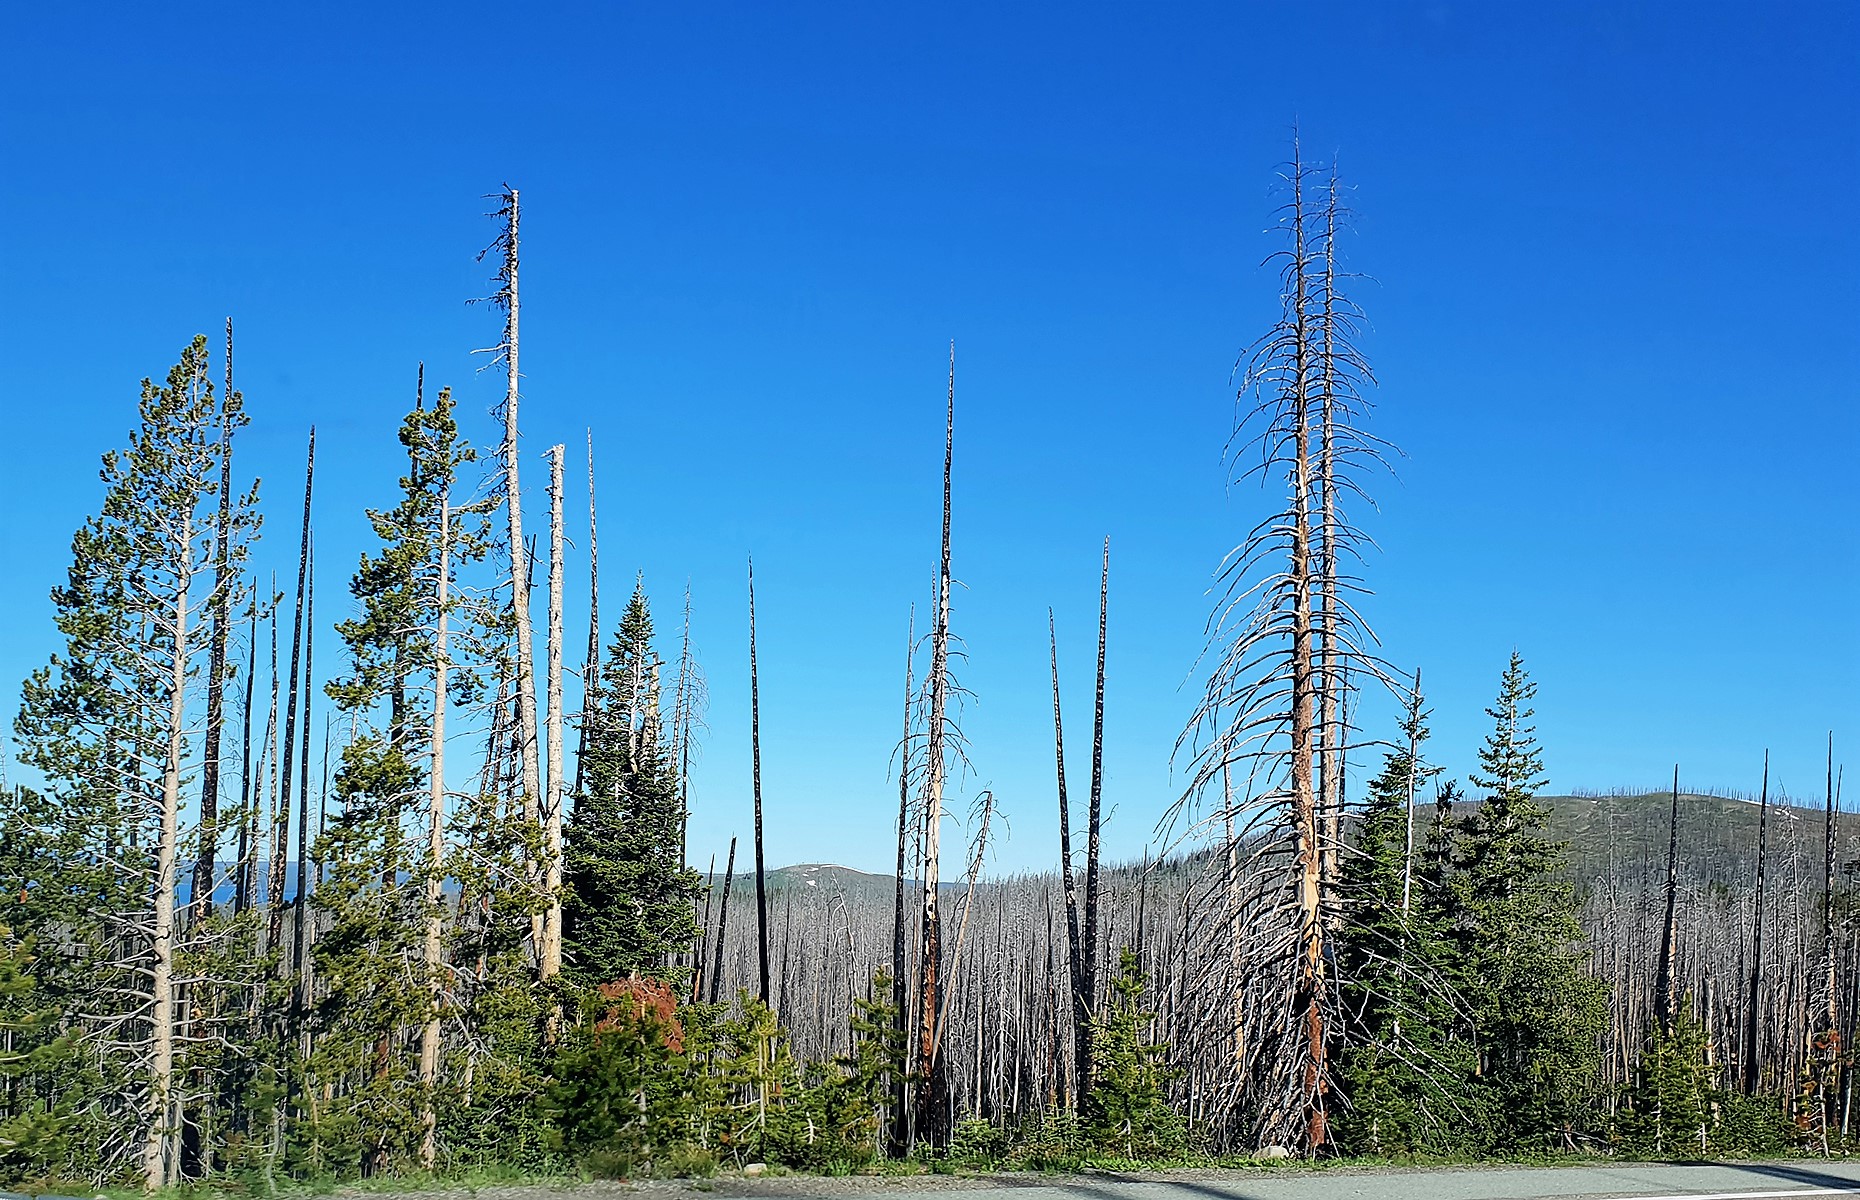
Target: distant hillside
[(1612, 835), (1607, 836)]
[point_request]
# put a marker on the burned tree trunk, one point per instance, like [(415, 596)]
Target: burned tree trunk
[(206, 868), (1664, 999), (933, 1088), (755, 772), (1081, 1003), (1754, 999), (723, 922), (281, 820), (900, 1115), (1094, 818)]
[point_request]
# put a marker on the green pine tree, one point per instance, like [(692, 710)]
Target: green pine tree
[(1405, 1064), (35, 1068), (1668, 1109), (1127, 1111), (630, 903), (1538, 1012), (106, 725), (375, 988)]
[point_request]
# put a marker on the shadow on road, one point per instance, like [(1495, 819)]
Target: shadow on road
[(1776, 1170), (1085, 1187)]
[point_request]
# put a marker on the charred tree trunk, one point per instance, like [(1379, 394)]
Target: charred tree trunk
[(1753, 1000), (281, 821), (755, 772), (1081, 995), (900, 1114), (1664, 997), (1094, 817), (591, 668), (206, 868), (723, 922), (242, 871)]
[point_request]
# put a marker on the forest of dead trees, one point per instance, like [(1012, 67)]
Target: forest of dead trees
[(460, 926)]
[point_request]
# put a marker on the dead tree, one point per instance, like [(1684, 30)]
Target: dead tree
[(900, 1115), (755, 771), (301, 922), (242, 868), (723, 921), (206, 868), (1087, 962), (1753, 999), (1081, 1004), (281, 820), (550, 953), (933, 1089), (591, 667), (1664, 998), (523, 692), (1285, 634)]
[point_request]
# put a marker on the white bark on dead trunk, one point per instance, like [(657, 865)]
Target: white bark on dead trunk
[(525, 688)]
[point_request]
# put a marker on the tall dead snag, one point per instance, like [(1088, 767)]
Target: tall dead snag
[(1664, 997), (206, 869), (549, 955), (1285, 635), (300, 926), (755, 779), (523, 691), (1415, 718), (723, 922), (1087, 982), (933, 1088), (281, 820), (1340, 370), (1754, 998), (242, 867), (1081, 1005), (900, 1115), (591, 667)]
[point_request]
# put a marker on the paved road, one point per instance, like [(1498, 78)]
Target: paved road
[(1626, 1181)]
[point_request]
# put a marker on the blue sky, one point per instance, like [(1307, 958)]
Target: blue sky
[(1614, 325)]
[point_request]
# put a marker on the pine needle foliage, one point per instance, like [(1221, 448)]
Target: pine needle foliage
[(630, 907)]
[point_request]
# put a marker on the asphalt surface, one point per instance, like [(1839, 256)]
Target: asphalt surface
[(1626, 1181)]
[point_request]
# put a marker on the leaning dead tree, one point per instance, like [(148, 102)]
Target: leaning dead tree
[(1284, 637)]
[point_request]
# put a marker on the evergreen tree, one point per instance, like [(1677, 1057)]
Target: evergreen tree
[(1538, 1012), (1127, 1109), (629, 907), (106, 724), (1668, 1110), (377, 892), (35, 1062), (1407, 1076)]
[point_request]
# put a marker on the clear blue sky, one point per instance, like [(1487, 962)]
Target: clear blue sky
[(1615, 326)]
